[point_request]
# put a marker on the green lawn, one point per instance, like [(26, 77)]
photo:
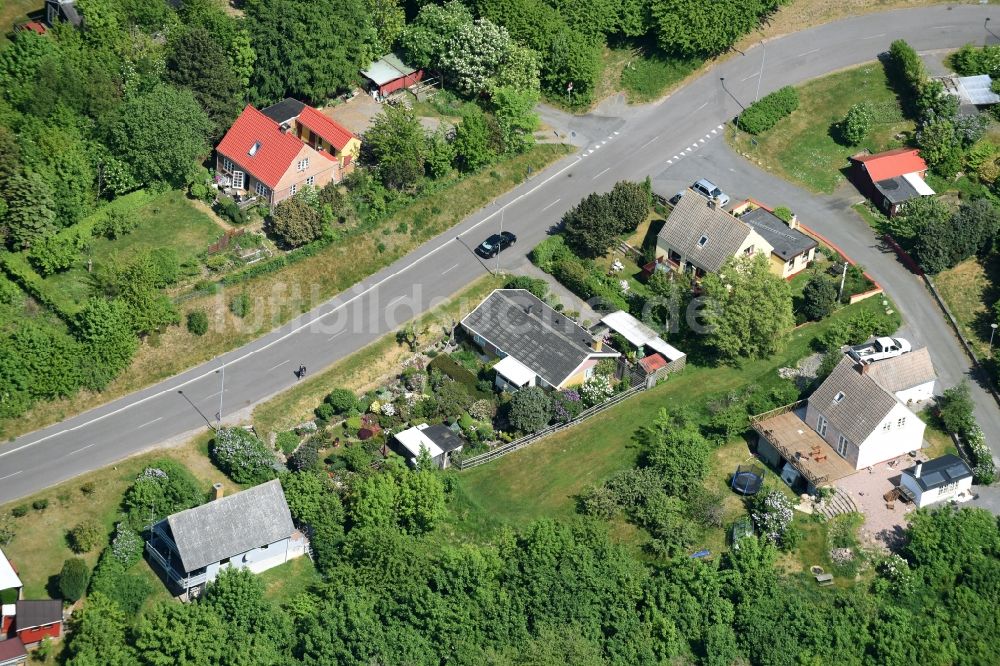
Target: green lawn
[(167, 221), (544, 479), (802, 147), (283, 583), (970, 290), (650, 76)]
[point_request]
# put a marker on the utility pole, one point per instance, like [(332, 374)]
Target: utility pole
[(843, 279), (500, 245), (222, 392), (761, 75)]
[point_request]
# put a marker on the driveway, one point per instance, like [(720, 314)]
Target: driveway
[(831, 216)]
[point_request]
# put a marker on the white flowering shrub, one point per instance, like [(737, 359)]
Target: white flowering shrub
[(482, 410), (896, 572), (126, 545), (983, 469), (596, 390), (772, 516), (388, 409), (243, 456)]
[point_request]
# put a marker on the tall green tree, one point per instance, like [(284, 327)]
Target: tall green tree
[(198, 62), (307, 49), (514, 110), (160, 134), (172, 633), (426, 38), (474, 142), (99, 630), (591, 226), (105, 329), (31, 209), (395, 147), (749, 313), (689, 28), (388, 20), (421, 501)]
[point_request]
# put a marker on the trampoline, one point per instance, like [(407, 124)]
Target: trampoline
[(747, 479)]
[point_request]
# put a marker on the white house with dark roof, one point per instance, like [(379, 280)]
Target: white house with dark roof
[(251, 530), (858, 417), (550, 350), (699, 237), (938, 480), (439, 441)]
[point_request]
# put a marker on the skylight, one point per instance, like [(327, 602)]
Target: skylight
[(838, 397), (253, 149), (702, 241)]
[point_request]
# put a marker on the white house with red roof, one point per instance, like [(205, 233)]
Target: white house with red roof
[(892, 178), (273, 153)]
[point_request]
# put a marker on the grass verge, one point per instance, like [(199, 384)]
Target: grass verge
[(803, 147), (365, 368), (279, 297), (970, 289)]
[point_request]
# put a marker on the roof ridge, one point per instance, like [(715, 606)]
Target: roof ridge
[(546, 324)]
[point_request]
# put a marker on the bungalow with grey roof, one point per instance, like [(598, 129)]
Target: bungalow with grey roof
[(545, 347), (251, 530)]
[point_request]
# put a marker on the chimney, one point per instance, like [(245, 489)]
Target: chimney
[(598, 343), (794, 222), (217, 491), (916, 472), (862, 368)]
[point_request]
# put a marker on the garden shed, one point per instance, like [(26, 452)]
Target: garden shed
[(438, 440), (389, 74)]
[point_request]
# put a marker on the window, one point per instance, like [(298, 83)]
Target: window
[(837, 398), (261, 189), (254, 148), (303, 164), (791, 263), (702, 241), (887, 426), (901, 422), (238, 180), (227, 164), (291, 190), (588, 373), (310, 180), (842, 446), (821, 426), (748, 251)]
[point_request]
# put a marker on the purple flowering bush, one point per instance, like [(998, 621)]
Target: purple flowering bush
[(566, 406), (243, 456)]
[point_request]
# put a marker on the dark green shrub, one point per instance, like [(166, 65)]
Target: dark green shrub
[(20, 510), (162, 488), (110, 578), (537, 286), (40, 504), (116, 223), (763, 114), (286, 442), (197, 322), (73, 579), (324, 412), (85, 536), (88, 488), (549, 251), (342, 400), (240, 306)]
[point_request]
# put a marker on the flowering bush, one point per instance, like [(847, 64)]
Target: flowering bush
[(896, 572), (596, 390), (242, 456), (388, 409), (126, 545), (772, 516), (566, 406), (983, 469), (482, 410)]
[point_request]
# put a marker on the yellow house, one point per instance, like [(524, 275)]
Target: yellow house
[(791, 250), (699, 237)]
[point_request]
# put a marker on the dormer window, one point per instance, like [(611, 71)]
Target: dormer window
[(702, 241), (253, 149), (837, 398)]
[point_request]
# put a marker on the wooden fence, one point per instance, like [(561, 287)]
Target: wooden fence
[(501, 451)]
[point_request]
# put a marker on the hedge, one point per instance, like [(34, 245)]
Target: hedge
[(20, 272), (763, 114), (908, 66)]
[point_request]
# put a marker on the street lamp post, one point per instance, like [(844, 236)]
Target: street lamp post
[(760, 76), (986, 26), (500, 242), (222, 391), (993, 329)]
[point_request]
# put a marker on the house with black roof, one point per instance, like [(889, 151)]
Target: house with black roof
[(537, 345), (791, 250), (937, 480), (251, 530)]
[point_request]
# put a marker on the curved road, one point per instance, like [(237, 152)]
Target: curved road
[(629, 145)]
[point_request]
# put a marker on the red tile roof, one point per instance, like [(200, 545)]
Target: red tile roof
[(272, 158), (335, 133), (892, 163), (652, 363)]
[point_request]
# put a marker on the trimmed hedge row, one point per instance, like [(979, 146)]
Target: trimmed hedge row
[(763, 114), (908, 66), (20, 272)]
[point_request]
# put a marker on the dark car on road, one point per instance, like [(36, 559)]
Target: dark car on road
[(496, 244)]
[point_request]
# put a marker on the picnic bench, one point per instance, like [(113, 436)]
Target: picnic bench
[(824, 579)]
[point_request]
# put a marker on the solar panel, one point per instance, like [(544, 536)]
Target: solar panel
[(933, 479), (955, 471), (978, 89)]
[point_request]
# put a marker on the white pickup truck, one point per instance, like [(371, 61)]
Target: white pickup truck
[(879, 350)]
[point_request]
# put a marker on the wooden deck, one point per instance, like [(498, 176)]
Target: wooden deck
[(802, 446)]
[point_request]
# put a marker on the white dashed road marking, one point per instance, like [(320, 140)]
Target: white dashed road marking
[(549, 206), (148, 423), (601, 174), (277, 366)]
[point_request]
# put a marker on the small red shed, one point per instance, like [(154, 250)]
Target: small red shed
[(389, 74), (38, 619)]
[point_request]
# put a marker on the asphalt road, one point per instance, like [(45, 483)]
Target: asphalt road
[(627, 143)]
